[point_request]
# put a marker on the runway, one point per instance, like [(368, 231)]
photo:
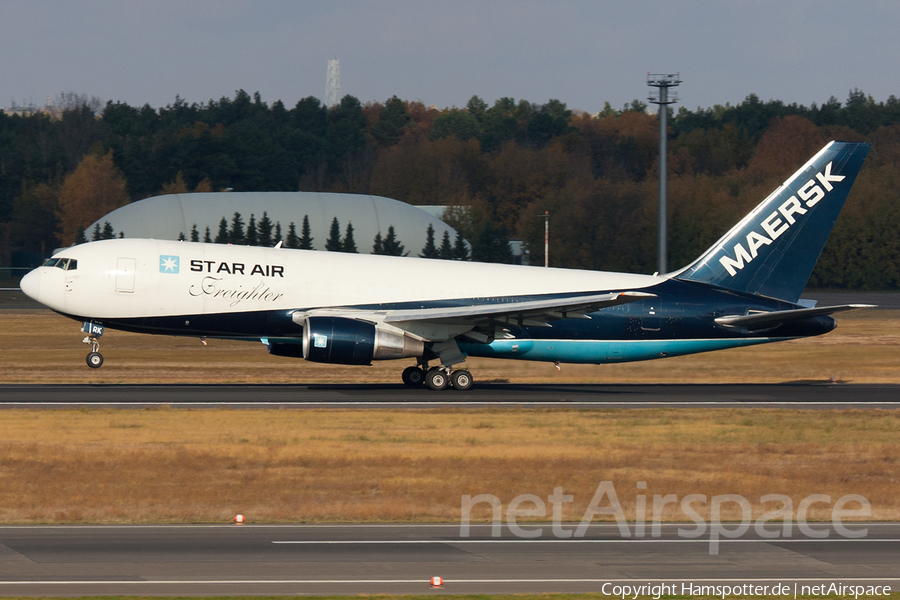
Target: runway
[(375, 396), (373, 559)]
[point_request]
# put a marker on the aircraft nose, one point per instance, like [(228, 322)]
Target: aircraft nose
[(31, 284)]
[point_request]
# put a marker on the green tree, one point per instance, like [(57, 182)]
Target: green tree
[(264, 231), (334, 243), (446, 250), (236, 234), (349, 244), (378, 245), (455, 122), (108, 232), (251, 238), (292, 241), (393, 119), (391, 246), (492, 245), (206, 236), (195, 234), (79, 236), (97, 234), (222, 236), (306, 238), (277, 237), (460, 249), (430, 250), (476, 107)]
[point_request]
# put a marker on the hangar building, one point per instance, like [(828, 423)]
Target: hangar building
[(167, 217)]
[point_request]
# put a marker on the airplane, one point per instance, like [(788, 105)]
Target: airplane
[(352, 309)]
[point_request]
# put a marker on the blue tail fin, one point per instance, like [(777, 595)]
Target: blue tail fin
[(772, 251)]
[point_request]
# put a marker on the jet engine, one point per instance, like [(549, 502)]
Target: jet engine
[(343, 341)]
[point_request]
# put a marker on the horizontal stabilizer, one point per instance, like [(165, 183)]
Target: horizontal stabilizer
[(771, 319)]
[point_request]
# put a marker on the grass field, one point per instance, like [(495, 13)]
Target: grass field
[(39, 346), (142, 466)]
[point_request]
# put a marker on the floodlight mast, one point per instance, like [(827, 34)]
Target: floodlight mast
[(333, 83), (662, 83)]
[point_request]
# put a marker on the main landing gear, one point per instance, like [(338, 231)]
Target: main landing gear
[(438, 378)]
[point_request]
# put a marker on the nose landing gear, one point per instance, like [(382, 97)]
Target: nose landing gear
[(94, 359)]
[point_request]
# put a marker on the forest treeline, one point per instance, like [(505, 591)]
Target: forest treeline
[(508, 163)]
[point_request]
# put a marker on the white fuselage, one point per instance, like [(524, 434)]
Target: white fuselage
[(128, 278)]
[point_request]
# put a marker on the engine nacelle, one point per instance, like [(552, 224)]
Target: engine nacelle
[(343, 341)]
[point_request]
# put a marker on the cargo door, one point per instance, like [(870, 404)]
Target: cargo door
[(125, 275)]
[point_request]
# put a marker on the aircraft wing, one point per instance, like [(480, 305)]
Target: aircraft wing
[(771, 319), (529, 313), (481, 321)]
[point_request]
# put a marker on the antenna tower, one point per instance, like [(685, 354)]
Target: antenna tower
[(662, 83), (333, 83)]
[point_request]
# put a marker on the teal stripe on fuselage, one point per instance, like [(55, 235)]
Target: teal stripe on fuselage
[(602, 351)]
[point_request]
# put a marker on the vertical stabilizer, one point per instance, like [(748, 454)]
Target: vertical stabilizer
[(772, 251)]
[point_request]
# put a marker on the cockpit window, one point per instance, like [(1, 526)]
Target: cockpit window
[(66, 264)]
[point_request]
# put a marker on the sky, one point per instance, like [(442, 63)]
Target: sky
[(442, 52)]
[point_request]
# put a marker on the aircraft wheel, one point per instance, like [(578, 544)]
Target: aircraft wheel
[(461, 380), (94, 360), (436, 379), (413, 376)]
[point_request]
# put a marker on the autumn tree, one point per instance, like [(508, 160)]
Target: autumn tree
[(177, 186), (95, 188)]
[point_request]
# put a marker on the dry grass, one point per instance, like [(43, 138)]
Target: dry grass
[(41, 347), (110, 466)]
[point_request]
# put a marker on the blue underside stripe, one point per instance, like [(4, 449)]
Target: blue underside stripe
[(602, 351)]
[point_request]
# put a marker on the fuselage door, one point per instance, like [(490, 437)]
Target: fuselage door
[(652, 319), (125, 275)]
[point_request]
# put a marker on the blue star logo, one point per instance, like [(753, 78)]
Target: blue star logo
[(168, 264)]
